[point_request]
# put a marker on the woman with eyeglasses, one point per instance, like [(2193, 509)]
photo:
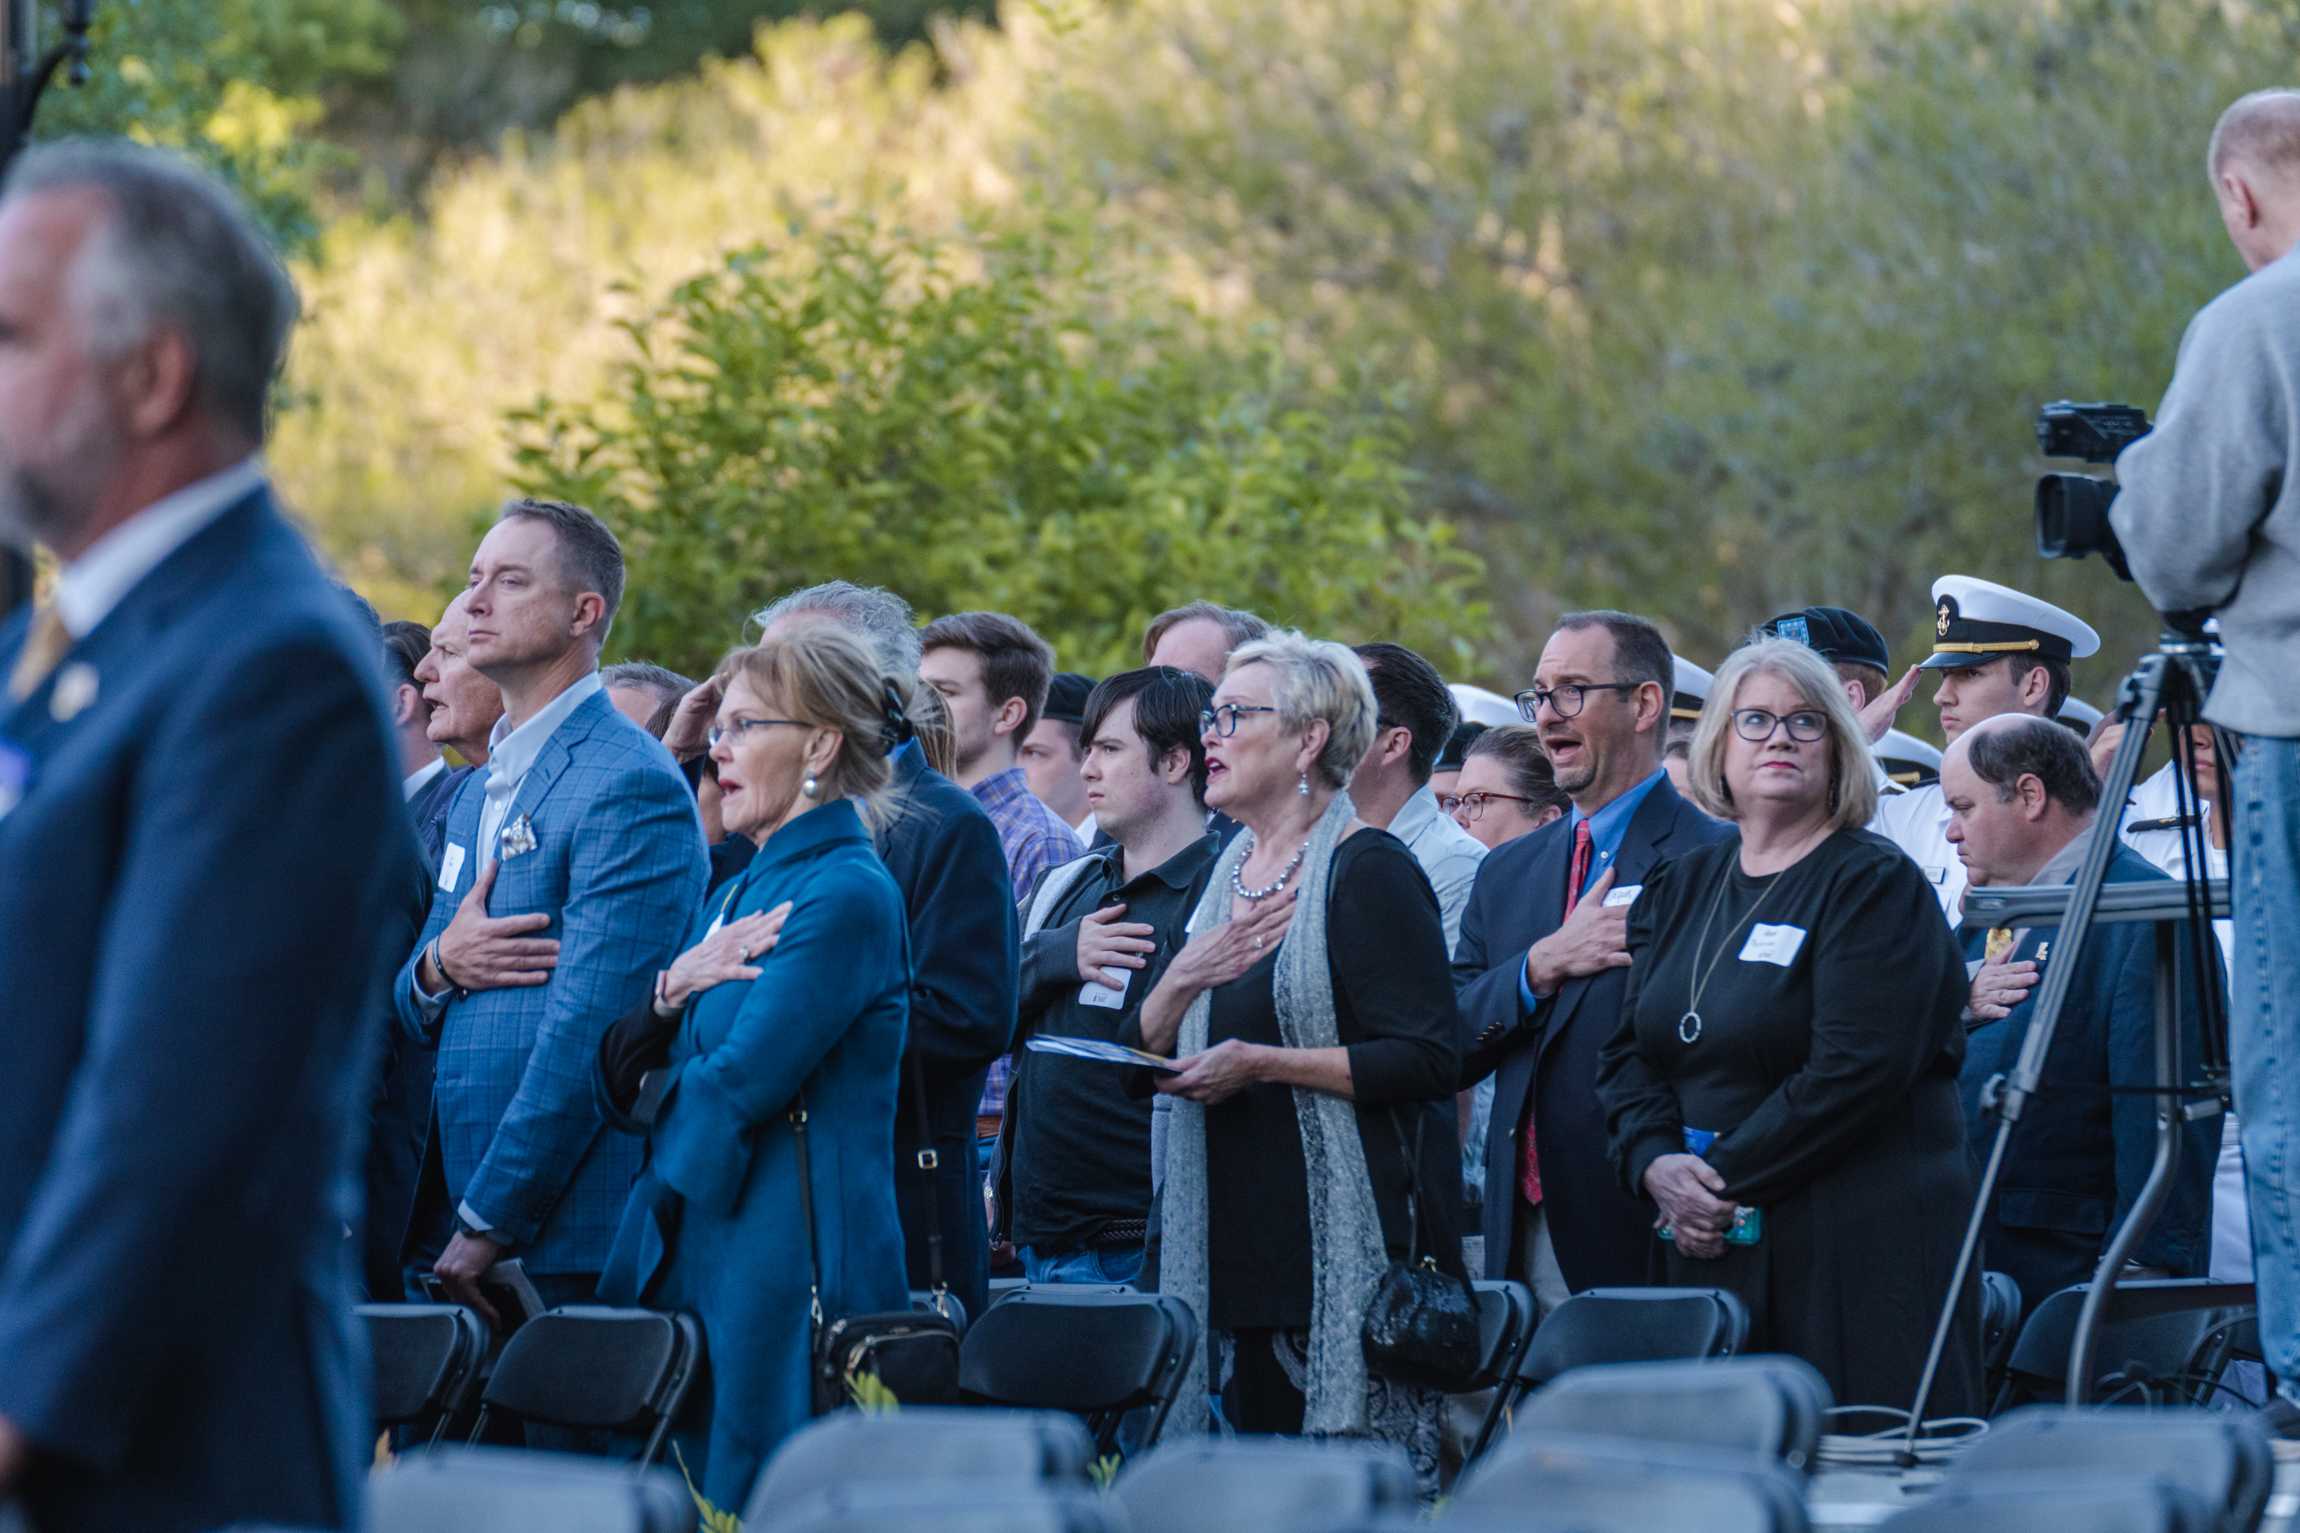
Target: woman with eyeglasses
[(1506, 788), (1312, 1012), (784, 1016), (1783, 1086)]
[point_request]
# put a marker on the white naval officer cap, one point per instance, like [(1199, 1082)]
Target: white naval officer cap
[(1908, 760), (2079, 715), (1689, 690), (1976, 621), (1478, 706)]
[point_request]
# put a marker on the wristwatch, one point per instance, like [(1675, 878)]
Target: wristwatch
[(470, 1231)]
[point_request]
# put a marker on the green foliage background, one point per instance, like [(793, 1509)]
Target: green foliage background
[(1707, 307)]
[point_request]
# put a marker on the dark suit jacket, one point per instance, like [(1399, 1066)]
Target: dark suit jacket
[(2080, 1155), (197, 901), (428, 810), (1603, 1237), (965, 949)]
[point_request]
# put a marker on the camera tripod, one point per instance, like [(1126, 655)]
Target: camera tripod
[(2171, 682)]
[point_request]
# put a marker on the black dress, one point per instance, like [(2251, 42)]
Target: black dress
[(1826, 1063), (1394, 1011)]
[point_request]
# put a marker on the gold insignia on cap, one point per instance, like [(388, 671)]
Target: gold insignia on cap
[(1946, 614)]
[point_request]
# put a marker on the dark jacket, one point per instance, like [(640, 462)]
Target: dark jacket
[(197, 899), (1602, 1235), (2079, 1155), (945, 855)]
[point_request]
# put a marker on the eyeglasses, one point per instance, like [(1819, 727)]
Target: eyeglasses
[(1471, 806), (1222, 722), (741, 727), (1566, 701), (1756, 725)]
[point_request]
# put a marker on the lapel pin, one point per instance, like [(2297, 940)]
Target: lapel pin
[(75, 692)]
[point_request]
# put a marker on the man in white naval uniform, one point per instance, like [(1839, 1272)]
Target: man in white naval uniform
[(1995, 650)]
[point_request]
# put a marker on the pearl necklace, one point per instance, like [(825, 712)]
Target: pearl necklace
[(1256, 896)]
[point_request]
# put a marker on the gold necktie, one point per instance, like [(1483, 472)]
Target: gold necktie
[(46, 644), (2000, 943)]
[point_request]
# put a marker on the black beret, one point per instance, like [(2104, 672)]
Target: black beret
[(1835, 635), (1066, 697)]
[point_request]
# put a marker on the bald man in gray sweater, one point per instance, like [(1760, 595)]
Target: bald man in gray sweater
[(2209, 515)]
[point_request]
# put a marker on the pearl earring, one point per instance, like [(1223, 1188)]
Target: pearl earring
[(810, 787), (1303, 787)]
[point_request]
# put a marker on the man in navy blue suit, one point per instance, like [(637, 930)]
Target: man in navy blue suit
[(1542, 962), (201, 841)]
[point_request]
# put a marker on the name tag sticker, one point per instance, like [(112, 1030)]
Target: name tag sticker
[(1938, 875), (451, 867), (1773, 944), (1109, 997), (1625, 895)]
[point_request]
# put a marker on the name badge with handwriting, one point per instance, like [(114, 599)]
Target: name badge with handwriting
[(451, 867), (1625, 895), (1773, 944)]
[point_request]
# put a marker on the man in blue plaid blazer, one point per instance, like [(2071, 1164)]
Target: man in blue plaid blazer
[(571, 866)]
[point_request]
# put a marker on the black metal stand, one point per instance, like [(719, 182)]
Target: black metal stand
[(2172, 680)]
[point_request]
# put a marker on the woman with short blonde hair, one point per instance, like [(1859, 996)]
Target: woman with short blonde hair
[(1783, 1084)]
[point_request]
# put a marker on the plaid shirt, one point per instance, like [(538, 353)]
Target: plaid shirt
[(1035, 839)]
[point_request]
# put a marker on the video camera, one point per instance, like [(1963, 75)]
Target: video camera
[(2072, 509)]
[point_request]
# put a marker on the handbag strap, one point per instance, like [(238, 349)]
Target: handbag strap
[(928, 1162), (798, 1117), (1423, 1252)]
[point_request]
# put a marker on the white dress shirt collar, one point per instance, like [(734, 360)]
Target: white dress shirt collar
[(413, 782), (510, 752), (1418, 816), (90, 586)]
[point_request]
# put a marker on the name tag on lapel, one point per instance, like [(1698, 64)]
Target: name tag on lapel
[(451, 866), (1773, 944), (1935, 875), (1625, 895), (1112, 997)]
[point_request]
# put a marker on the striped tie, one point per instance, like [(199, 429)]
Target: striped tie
[(47, 643)]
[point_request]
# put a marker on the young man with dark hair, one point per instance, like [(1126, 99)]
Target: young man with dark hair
[(1414, 718), (1098, 933)]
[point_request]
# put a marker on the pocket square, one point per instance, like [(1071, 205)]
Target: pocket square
[(518, 839)]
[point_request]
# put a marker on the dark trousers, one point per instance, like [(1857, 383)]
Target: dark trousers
[(1260, 1398)]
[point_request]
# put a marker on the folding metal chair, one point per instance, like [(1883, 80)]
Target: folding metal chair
[(2163, 1341), (2000, 1324), (949, 1446), (588, 1366), (513, 1490), (1264, 1483), (963, 1507), (2030, 1503), (1769, 1408), (1561, 1481), (1094, 1353), (1620, 1325), (2224, 1459), (428, 1360)]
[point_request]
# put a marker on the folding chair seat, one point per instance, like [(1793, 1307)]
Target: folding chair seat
[(1767, 1407), (1560, 1481), (2046, 1503), (1095, 1353), (947, 1445), (512, 1490), (1621, 1325), (961, 1507), (2156, 1340), (1263, 1483), (428, 1359), (2222, 1458), (588, 1366)]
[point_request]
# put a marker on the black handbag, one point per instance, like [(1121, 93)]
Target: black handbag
[(912, 1354), (1421, 1322)]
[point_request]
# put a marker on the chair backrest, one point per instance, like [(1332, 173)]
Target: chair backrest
[(1092, 1352), (2000, 1319), (1768, 1407), (2154, 1335), (1505, 1315), (1604, 1485), (2222, 1458), (961, 1507), (998, 1450), (511, 1490), (1260, 1483), (2032, 1503), (591, 1366), (1635, 1325), (427, 1358)]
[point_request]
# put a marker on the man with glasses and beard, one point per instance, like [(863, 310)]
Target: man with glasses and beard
[(1542, 963)]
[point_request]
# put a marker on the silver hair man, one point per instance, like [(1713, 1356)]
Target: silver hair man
[(873, 612)]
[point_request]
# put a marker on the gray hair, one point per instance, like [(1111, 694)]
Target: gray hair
[(873, 612), (178, 249), (2001, 751), (1317, 679), (1852, 768)]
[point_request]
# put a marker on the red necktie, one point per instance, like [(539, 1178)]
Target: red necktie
[(1528, 1159)]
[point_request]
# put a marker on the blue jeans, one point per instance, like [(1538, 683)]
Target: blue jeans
[(2264, 1034), (1096, 1266)]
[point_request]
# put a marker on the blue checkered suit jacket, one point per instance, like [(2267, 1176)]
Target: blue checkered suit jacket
[(618, 865)]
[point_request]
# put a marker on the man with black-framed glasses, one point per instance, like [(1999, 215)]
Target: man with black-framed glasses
[(1541, 967)]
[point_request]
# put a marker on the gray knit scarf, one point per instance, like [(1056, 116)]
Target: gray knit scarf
[(1347, 1253)]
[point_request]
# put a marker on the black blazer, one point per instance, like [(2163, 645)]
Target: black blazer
[(428, 809), (965, 949), (1603, 1236)]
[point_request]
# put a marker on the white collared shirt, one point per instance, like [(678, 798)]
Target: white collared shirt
[(511, 752), (1918, 823), (1447, 853), (413, 782), (90, 586)]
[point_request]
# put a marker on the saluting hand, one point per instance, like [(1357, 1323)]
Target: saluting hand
[(1106, 943), (724, 955), (1886, 706), (483, 952), (1593, 939), (689, 732), (1999, 986)]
